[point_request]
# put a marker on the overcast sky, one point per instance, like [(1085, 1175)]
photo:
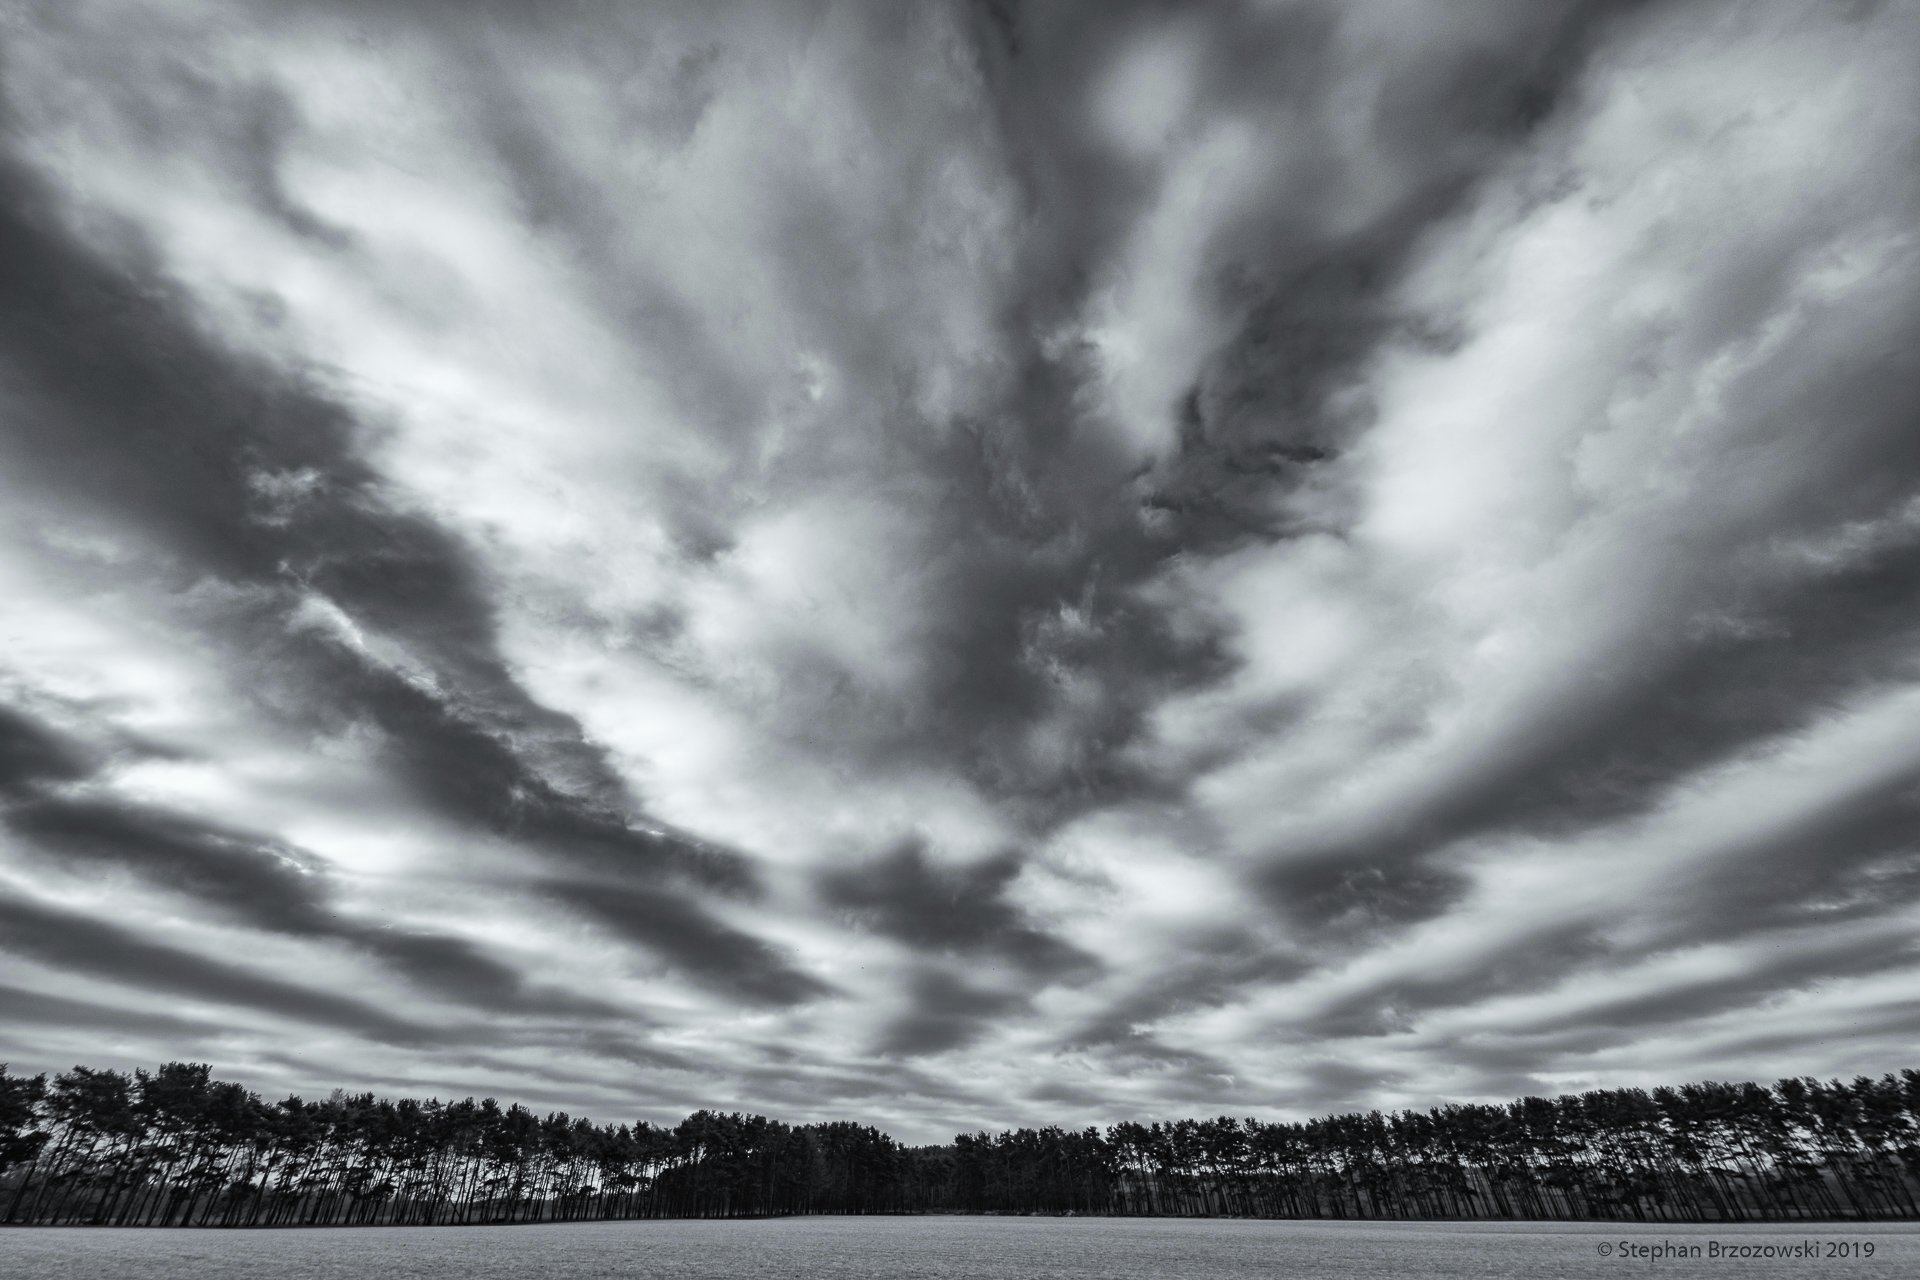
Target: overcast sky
[(960, 565)]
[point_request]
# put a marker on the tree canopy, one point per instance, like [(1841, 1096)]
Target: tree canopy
[(175, 1146)]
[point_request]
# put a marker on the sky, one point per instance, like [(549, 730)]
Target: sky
[(960, 565)]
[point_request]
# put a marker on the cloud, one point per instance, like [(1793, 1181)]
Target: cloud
[(686, 936), (71, 942), (965, 911), (27, 1008), (944, 1013), (30, 752), (274, 889), (968, 563)]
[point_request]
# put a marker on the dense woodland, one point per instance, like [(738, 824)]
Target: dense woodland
[(177, 1147)]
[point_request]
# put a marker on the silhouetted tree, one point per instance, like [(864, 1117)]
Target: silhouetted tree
[(176, 1147)]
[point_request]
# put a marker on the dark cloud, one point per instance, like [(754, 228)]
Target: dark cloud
[(1081, 1097), (1213, 970), (277, 889), (945, 1012), (688, 938), (1129, 1051), (1766, 979), (1894, 1024), (31, 752), (465, 761), (266, 119), (269, 886), (71, 942), (140, 419), (38, 1008), (1534, 962), (1695, 704), (1851, 862), (1038, 472), (961, 910), (824, 1091), (149, 422), (1336, 1084)]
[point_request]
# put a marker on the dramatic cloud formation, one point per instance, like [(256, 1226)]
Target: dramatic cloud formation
[(960, 564)]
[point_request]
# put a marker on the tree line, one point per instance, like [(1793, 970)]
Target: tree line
[(176, 1147)]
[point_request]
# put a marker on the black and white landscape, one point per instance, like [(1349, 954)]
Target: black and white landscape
[(961, 566)]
